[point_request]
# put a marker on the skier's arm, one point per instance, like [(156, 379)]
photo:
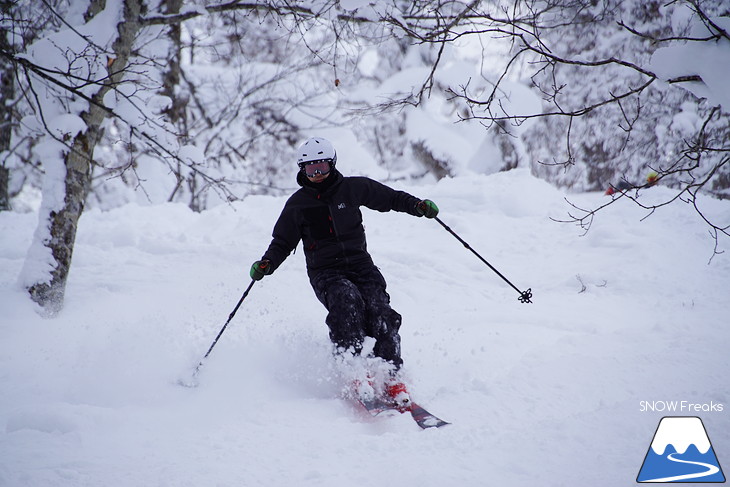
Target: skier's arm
[(285, 237), (380, 197)]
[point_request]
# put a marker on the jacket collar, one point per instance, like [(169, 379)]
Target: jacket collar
[(334, 180)]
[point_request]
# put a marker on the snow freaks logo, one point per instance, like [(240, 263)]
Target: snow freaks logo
[(680, 452), (680, 407)]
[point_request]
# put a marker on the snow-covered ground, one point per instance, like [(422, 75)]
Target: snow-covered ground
[(548, 393)]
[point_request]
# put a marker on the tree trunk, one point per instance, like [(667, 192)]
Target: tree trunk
[(171, 79), (78, 162), (7, 93), (177, 112), (4, 182)]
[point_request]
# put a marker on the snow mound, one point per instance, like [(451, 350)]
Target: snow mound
[(547, 392)]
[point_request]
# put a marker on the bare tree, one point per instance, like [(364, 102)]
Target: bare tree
[(606, 116), (17, 29), (95, 81), (238, 117), (223, 137)]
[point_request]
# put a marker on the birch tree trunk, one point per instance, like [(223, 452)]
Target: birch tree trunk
[(63, 223)]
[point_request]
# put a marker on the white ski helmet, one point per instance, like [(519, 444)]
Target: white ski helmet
[(316, 149)]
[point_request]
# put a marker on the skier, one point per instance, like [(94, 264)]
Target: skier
[(325, 214)]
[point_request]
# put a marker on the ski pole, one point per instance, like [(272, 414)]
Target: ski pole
[(525, 296), (212, 345)]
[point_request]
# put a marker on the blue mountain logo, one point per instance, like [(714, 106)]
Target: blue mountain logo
[(681, 452)]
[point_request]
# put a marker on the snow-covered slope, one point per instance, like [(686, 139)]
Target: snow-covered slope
[(541, 394)]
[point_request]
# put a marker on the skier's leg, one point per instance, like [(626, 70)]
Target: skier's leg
[(346, 309), (382, 321)]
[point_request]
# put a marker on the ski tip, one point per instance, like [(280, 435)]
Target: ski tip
[(424, 419), (432, 422)]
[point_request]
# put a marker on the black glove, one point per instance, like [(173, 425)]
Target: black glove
[(261, 268), (427, 208)]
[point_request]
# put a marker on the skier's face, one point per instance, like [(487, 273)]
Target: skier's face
[(317, 171), (318, 178)]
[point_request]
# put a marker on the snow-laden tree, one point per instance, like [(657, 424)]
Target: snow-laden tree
[(630, 89), (69, 74), (621, 119), (203, 102), (20, 25), (105, 72), (236, 82), (128, 91)]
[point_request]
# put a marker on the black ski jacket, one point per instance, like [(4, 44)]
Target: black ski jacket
[(329, 221)]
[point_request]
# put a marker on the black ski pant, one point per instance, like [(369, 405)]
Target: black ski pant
[(359, 307)]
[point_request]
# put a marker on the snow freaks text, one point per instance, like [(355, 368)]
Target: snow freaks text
[(680, 407)]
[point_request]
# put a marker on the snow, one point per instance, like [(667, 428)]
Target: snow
[(540, 394), (39, 262), (353, 4), (688, 430), (368, 62), (192, 154), (709, 60), (66, 126)]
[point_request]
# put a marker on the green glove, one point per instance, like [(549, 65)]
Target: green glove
[(427, 208), (260, 268)]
